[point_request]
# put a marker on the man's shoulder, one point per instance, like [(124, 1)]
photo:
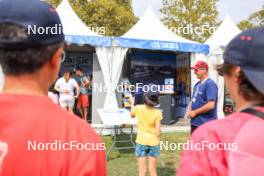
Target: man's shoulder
[(59, 80), (210, 81), (224, 128), (72, 80)]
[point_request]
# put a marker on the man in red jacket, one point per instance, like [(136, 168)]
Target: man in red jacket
[(234, 145), (37, 137)]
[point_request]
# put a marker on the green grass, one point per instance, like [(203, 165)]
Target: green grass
[(124, 163)]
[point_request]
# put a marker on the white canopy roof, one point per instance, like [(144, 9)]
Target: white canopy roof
[(224, 33), (72, 24), (149, 27)]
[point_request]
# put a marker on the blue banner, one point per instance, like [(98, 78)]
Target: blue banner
[(91, 40), (161, 45)]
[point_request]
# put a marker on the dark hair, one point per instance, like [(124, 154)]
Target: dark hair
[(148, 102), (67, 70), (246, 89), (22, 61), (80, 69)]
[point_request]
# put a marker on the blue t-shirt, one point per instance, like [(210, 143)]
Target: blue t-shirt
[(202, 94)]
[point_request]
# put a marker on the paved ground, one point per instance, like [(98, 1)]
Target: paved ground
[(183, 125)]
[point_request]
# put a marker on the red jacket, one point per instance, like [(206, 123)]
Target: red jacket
[(223, 132)]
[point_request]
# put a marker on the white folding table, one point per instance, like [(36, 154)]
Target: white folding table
[(115, 119)]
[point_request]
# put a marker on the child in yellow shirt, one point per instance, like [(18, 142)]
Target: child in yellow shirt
[(148, 132)]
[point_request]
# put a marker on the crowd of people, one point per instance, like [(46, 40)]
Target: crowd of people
[(31, 64)]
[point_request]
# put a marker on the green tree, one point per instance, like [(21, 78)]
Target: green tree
[(115, 16), (191, 19), (255, 20), (55, 3), (107, 17)]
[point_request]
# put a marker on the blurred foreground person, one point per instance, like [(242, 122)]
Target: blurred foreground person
[(37, 137), (234, 146)]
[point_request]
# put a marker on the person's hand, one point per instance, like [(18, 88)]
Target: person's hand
[(132, 100), (192, 114)]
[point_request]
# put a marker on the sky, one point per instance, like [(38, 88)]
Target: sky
[(237, 9)]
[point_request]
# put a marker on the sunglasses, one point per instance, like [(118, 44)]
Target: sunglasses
[(198, 69)]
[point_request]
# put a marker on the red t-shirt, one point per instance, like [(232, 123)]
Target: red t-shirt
[(37, 137), (210, 162)]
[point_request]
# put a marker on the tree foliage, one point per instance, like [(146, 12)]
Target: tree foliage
[(115, 17), (256, 19), (200, 16)]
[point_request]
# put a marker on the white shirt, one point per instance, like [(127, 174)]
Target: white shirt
[(66, 86), (54, 97)]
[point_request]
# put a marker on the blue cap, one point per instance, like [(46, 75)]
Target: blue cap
[(247, 51), (39, 19)]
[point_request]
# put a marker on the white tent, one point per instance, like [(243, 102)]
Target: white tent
[(224, 34), (72, 24), (150, 33), (149, 27), (75, 30), (217, 42)]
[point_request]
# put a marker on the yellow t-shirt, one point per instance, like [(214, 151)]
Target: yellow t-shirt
[(147, 119)]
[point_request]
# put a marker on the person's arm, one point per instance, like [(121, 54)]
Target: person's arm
[(77, 90), (205, 108), (57, 87), (132, 103), (157, 126)]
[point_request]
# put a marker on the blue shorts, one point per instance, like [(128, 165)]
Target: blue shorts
[(146, 150)]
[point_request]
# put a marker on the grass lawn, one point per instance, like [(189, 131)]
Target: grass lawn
[(124, 163)]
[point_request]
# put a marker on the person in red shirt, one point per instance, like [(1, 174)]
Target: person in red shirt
[(37, 137), (234, 145)]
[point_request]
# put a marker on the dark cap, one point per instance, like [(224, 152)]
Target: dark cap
[(39, 19), (247, 51), (200, 64)]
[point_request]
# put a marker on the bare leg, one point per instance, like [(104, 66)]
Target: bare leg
[(153, 166), (81, 112), (70, 110), (85, 113), (142, 166)]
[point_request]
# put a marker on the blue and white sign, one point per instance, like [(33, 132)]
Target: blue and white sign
[(90, 40), (161, 45)]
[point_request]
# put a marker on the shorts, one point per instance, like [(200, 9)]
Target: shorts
[(146, 150), (83, 101), (67, 102)]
